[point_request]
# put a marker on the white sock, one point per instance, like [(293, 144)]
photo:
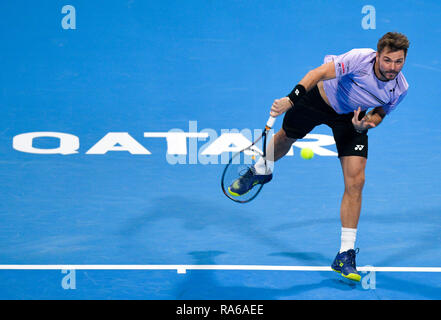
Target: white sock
[(260, 167), (348, 237)]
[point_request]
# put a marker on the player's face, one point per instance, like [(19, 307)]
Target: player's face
[(390, 63)]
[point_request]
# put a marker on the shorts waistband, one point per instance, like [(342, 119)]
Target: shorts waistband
[(318, 101)]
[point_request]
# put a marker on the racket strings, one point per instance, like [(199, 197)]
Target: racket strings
[(241, 167)]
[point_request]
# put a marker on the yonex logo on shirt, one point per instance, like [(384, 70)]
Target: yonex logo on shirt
[(359, 147)]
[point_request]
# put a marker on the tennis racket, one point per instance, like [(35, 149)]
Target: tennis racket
[(240, 163)]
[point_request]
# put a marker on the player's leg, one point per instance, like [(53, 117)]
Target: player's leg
[(353, 168), (277, 148), (261, 172), (297, 122), (354, 176), (352, 150)]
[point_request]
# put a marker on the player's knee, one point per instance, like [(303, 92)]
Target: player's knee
[(354, 184), (354, 181)]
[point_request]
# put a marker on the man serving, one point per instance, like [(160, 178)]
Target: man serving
[(338, 94)]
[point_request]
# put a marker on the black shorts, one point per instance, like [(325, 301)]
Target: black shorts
[(311, 110)]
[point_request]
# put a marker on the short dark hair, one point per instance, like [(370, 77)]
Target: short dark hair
[(395, 41)]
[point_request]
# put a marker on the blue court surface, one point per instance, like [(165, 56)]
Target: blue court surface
[(111, 114)]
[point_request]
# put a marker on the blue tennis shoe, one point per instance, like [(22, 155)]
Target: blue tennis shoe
[(344, 263), (247, 181)]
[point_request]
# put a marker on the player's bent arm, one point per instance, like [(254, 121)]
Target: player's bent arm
[(324, 72)]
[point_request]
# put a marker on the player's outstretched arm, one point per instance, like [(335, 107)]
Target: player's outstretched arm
[(324, 72)]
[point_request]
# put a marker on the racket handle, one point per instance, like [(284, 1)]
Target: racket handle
[(270, 123)]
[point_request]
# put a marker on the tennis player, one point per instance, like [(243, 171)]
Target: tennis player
[(338, 94)]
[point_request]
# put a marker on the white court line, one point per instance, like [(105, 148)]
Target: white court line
[(184, 268)]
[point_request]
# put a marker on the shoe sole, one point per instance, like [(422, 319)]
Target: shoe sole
[(234, 193), (239, 195), (335, 270), (351, 276)]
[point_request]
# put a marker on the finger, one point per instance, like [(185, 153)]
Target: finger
[(356, 113), (355, 118), (355, 121)]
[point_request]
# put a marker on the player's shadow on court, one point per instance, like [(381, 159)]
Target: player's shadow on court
[(197, 215), (207, 284), (307, 258)]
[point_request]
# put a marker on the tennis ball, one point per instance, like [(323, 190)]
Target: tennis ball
[(306, 153)]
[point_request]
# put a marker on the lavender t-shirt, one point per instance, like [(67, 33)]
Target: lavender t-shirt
[(356, 84)]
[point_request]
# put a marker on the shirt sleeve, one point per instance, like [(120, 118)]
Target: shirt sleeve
[(388, 108), (347, 63)]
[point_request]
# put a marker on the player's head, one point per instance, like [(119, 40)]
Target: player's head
[(391, 54)]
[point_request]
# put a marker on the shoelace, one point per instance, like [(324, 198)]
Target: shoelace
[(352, 254), (248, 173)]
